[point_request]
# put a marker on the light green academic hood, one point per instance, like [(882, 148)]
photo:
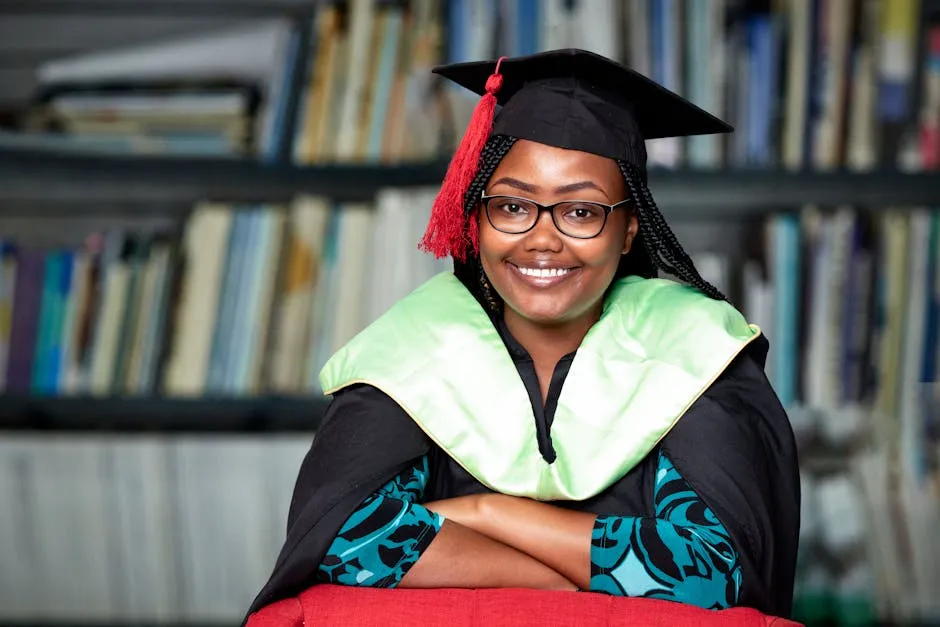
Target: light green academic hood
[(657, 347)]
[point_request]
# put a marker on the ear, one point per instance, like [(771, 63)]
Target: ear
[(633, 225)]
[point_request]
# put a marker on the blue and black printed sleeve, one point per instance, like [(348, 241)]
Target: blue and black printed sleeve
[(684, 554), (384, 537)]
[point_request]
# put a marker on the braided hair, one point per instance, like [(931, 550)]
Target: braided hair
[(660, 244), (655, 246)]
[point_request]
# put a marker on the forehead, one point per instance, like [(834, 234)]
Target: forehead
[(540, 164)]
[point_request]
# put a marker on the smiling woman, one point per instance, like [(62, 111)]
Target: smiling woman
[(553, 414)]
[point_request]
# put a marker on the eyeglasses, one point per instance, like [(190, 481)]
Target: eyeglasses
[(582, 219)]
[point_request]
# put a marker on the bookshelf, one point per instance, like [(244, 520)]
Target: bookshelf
[(206, 414), (189, 8), (52, 183)]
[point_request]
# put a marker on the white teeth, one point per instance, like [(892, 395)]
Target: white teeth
[(544, 273)]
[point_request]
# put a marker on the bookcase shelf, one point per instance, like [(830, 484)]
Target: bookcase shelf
[(189, 8), (57, 183), (263, 414)]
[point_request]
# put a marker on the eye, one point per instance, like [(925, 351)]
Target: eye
[(511, 208), (583, 212)]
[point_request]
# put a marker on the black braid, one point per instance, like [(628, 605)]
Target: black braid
[(492, 154), (471, 272), (661, 243)]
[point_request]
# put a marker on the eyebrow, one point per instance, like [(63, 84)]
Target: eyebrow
[(573, 187), (521, 185), (564, 189)]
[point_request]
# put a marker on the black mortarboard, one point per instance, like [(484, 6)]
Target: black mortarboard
[(577, 99), (565, 98)]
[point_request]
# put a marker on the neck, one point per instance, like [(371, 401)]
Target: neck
[(550, 343)]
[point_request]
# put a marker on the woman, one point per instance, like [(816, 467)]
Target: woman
[(552, 415)]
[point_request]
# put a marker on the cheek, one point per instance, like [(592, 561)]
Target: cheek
[(599, 253), (494, 245)]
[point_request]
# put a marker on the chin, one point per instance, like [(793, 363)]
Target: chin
[(547, 313)]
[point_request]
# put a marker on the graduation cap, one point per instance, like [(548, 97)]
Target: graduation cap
[(567, 98)]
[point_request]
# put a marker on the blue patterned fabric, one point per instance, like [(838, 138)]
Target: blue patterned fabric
[(684, 554), (385, 536)]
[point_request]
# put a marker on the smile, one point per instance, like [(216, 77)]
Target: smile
[(542, 277), (544, 273)]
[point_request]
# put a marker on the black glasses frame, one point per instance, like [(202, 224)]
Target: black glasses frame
[(551, 210)]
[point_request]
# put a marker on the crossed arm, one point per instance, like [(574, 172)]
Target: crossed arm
[(494, 540)]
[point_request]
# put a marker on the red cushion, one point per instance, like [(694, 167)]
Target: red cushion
[(353, 607)]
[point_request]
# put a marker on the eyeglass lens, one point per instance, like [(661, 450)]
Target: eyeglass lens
[(576, 218)]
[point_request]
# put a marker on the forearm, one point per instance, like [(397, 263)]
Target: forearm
[(460, 557), (554, 536)]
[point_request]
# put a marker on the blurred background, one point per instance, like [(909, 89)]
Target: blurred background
[(200, 200)]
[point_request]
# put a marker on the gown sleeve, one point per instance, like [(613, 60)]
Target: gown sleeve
[(384, 537), (364, 440), (736, 449), (682, 554)]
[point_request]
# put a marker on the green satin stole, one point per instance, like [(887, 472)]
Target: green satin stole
[(656, 348)]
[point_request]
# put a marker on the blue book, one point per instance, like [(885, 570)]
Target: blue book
[(786, 235), (53, 368), (228, 303)]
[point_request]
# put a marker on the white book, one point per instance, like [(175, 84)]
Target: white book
[(129, 105), (861, 152), (841, 514), (309, 217), (73, 530), (204, 246), (384, 263), (427, 265), (828, 131), (703, 33), (224, 541), (152, 285), (912, 351), (885, 547), (250, 53), (798, 64), (21, 587), (145, 535), (108, 338), (638, 29), (714, 268), (360, 40), (554, 25), (354, 263), (255, 54), (263, 297), (594, 27), (817, 234)]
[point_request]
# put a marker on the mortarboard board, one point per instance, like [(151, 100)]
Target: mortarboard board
[(567, 98)]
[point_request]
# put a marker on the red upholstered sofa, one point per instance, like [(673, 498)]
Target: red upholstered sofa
[(354, 607)]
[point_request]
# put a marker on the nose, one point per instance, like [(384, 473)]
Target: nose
[(544, 236)]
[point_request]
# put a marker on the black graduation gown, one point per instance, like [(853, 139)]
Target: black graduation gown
[(734, 446)]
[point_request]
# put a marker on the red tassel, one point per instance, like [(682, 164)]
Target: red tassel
[(447, 232)]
